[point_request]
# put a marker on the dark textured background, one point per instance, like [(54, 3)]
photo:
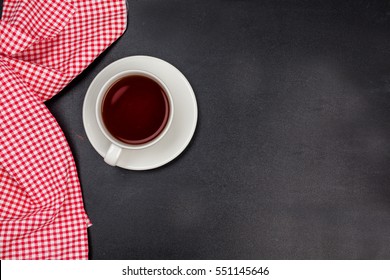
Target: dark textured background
[(291, 157)]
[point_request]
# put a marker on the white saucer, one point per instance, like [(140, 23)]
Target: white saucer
[(183, 123)]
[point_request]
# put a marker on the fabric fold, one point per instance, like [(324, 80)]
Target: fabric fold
[(29, 22)]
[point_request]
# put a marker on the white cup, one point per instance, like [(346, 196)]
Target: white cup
[(114, 151)]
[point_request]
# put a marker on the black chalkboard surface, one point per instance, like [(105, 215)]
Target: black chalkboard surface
[(291, 156)]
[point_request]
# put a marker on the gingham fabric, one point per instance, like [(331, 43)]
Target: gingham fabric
[(44, 44)]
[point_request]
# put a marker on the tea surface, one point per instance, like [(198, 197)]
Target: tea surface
[(135, 109)]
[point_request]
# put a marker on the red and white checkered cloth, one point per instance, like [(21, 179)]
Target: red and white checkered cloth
[(43, 46)]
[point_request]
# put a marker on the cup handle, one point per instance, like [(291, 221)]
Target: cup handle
[(112, 155)]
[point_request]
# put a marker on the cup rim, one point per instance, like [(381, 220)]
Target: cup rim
[(102, 93)]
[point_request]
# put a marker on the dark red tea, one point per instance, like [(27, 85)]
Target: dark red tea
[(135, 109)]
